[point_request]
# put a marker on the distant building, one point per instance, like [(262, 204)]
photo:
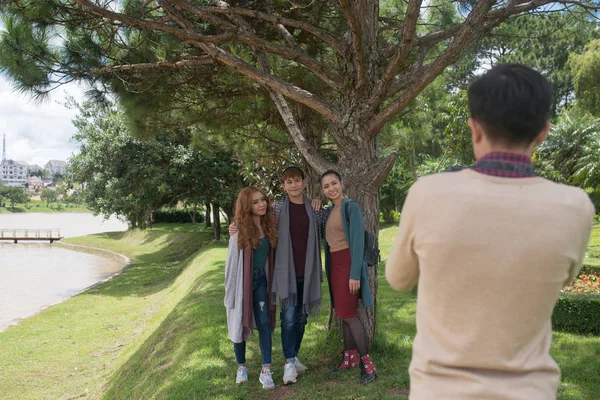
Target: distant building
[(56, 167), (34, 183), (34, 168), (13, 173)]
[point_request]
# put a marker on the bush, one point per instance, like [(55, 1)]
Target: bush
[(389, 216), (176, 216), (589, 268), (577, 313)]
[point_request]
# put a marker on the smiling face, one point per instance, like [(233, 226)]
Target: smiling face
[(294, 186), (332, 187), (258, 204)]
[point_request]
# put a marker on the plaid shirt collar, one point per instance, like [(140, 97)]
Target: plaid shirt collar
[(506, 165)]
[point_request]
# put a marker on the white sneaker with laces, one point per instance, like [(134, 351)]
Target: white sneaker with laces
[(289, 373), (300, 368), (242, 375), (266, 378)]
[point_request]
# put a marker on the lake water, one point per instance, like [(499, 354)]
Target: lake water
[(36, 274)]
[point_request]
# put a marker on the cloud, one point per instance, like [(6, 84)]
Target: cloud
[(37, 131)]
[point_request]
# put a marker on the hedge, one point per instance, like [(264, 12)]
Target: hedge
[(176, 216), (590, 268), (578, 313)]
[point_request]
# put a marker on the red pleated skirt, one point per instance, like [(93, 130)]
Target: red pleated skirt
[(344, 302)]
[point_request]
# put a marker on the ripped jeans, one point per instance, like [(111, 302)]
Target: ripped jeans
[(260, 307)]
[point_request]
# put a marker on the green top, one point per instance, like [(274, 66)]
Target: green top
[(259, 258)]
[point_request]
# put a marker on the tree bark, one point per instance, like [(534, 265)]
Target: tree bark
[(207, 215), (216, 221)]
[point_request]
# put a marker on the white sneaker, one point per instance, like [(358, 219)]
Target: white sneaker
[(300, 368), (289, 373), (266, 378), (242, 375)]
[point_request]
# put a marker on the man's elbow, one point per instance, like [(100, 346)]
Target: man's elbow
[(400, 282)]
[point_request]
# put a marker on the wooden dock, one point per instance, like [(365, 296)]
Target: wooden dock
[(30, 234)]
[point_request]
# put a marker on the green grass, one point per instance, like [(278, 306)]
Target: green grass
[(40, 206), (158, 331)]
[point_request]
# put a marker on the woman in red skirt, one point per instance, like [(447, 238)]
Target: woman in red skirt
[(347, 272)]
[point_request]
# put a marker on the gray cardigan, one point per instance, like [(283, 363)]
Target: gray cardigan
[(234, 289)]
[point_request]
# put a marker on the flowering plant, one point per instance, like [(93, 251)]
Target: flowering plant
[(586, 283)]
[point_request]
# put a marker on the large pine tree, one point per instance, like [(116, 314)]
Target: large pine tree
[(337, 71)]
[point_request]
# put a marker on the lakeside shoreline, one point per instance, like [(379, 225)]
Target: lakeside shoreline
[(124, 260)]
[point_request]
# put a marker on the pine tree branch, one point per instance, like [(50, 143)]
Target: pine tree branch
[(359, 57), (309, 152), (150, 25), (204, 60), (409, 31), (479, 22), (325, 36)]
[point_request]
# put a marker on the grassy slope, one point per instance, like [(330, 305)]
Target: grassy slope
[(158, 331), (40, 206), (71, 349)]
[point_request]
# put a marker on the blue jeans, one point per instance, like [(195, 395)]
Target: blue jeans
[(260, 306), (293, 323)]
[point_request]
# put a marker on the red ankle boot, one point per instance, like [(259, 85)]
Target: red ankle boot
[(367, 369), (349, 360)]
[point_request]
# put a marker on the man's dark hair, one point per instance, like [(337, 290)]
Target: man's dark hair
[(291, 172), (511, 102)]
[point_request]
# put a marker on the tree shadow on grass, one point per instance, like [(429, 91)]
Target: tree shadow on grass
[(577, 357), (153, 272), (189, 356)]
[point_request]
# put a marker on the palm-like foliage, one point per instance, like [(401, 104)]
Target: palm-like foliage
[(587, 173), (572, 147)]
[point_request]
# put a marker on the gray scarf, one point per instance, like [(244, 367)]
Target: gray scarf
[(284, 279)]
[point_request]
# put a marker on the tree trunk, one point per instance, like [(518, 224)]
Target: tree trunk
[(228, 210), (308, 122), (193, 214), (216, 221), (207, 215)]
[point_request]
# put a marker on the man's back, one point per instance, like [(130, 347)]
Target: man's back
[(493, 254)]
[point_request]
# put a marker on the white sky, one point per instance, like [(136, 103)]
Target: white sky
[(37, 132)]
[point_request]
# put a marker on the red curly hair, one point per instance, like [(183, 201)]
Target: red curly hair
[(248, 233)]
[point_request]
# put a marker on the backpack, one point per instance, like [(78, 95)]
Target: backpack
[(372, 255)]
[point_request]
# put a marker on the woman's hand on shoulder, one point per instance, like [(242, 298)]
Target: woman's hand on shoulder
[(316, 204)]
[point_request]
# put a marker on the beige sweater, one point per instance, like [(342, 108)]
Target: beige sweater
[(490, 256)]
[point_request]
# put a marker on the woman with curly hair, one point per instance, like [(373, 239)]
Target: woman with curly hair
[(249, 299)]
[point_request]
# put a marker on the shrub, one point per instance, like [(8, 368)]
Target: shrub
[(577, 313), (176, 216), (589, 268)]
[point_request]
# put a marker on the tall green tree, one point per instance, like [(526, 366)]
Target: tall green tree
[(15, 195), (133, 177), (586, 70), (49, 196)]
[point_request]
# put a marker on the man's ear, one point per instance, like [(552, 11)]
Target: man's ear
[(476, 130), (543, 134)]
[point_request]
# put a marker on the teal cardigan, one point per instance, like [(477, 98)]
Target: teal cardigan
[(356, 241)]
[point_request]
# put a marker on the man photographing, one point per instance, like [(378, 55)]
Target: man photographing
[(490, 248)]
